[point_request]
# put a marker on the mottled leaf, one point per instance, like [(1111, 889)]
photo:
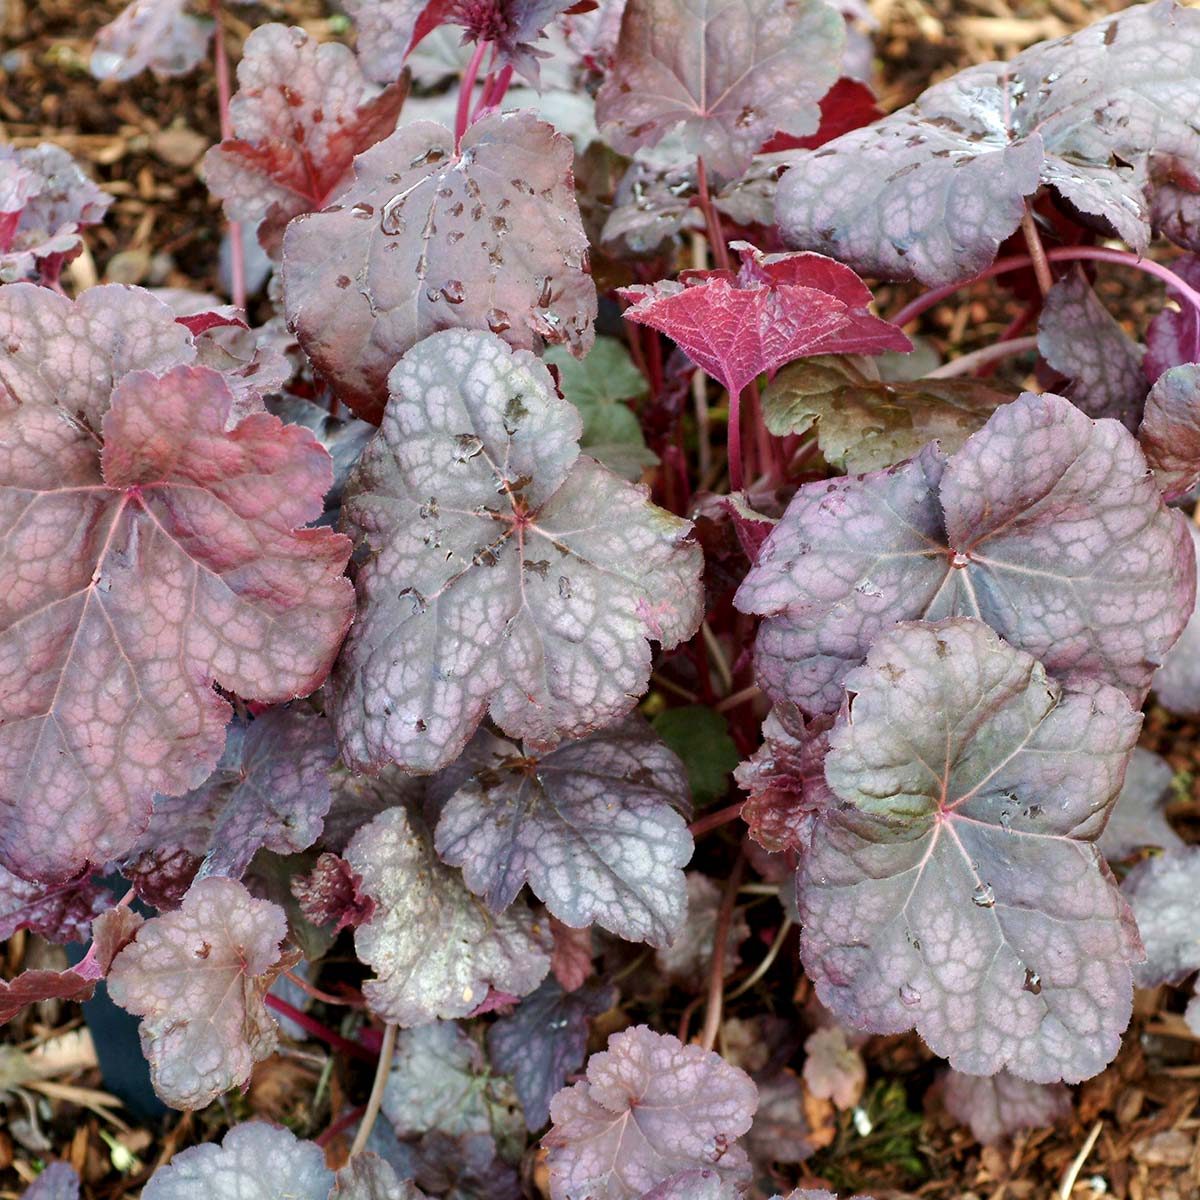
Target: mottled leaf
[(1177, 682), (1137, 818), (358, 799), (702, 1183), (864, 423), (931, 191), (434, 948), (1170, 430), (778, 307), (504, 573), (57, 1182), (197, 978), (301, 113), (688, 958), (833, 1069), (1080, 339), (146, 570), (544, 1041), (344, 441), (728, 72), (162, 36), (598, 386), (1045, 524), (786, 780), (592, 827), (367, 279), (368, 1177), (997, 1106), (957, 890), (331, 894), (256, 1161), (388, 30), (1173, 336), (459, 1168), (649, 1108), (32, 986), (700, 736), (57, 912), (1164, 892)]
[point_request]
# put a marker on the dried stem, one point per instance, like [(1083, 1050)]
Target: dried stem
[(237, 249), (978, 358), (1068, 1183), (715, 820), (768, 961), (747, 693), (1037, 252), (386, 1053), (716, 972)]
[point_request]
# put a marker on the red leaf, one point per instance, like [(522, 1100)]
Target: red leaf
[(848, 105), (777, 308), (331, 895), (31, 986)]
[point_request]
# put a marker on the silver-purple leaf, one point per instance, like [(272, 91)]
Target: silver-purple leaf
[(649, 1108), (386, 31), (1137, 818), (1173, 336), (702, 1183), (687, 959), (366, 279), (1164, 892), (57, 1182), (931, 191), (997, 1106), (957, 890), (592, 827), (503, 572), (197, 978), (1046, 524), (256, 1161), (545, 1040), (1170, 430), (369, 1177), (1176, 683), (1080, 339), (57, 912), (833, 1069), (160, 35), (726, 73), (434, 949)]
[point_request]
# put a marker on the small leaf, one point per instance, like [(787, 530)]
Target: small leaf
[(1170, 431), (778, 307), (833, 1069), (365, 280), (332, 895), (544, 1041), (700, 736), (726, 75), (997, 1106), (57, 1182), (1137, 818), (197, 978), (864, 423), (256, 1161), (957, 890), (571, 960), (1080, 339), (435, 950), (159, 35), (503, 574), (649, 1109)]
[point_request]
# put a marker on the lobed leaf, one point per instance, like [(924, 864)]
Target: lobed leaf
[(57, 912), (31, 987), (366, 279), (864, 423), (197, 978), (301, 114), (997, 1106), (388, 30), (777, 308), (957, 890), (931, 191), (725, 73), (162, 36), (504, 574), (1045, 524), (1137, 818), (145, 570), (649, 1108), (833, 1069), (1170, 430), (592, 827), (700, 736), (434, 949)]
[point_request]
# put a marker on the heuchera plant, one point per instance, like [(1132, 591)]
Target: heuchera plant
[(447, 679)]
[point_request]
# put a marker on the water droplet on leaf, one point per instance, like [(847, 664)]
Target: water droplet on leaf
[(984, 895)]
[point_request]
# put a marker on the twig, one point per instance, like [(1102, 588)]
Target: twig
[(977, 358), (1068, 1183), (717, 654), (386, 1053), (715, 820), (716, 971), (237, 249), (747, 693), (768, 960), (317, 994), (1037, 252)]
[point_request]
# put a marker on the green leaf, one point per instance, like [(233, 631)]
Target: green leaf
[(599, 386), (701, 738)]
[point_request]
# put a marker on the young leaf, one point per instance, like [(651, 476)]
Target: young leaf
[(367, 279), (45, 199), (1177, 682), (786, 780), (57, 1182), (833, 1069), (1170, 430), (727, 74), (160, 35), (197, 978), (270, 789), (865, 423), (59, 913), (931, 191), (435, 950), (1067, 551), (256, 1161), (1080, 339), (331, 894), (1137, 818), (700, 736), (504, 573), (649, 1109), (957, 890), (369, 1177), (1173, 337), (778, 307), (592, 827), (302, 112), (166, 560), (997, 1106), (544, 1041)]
